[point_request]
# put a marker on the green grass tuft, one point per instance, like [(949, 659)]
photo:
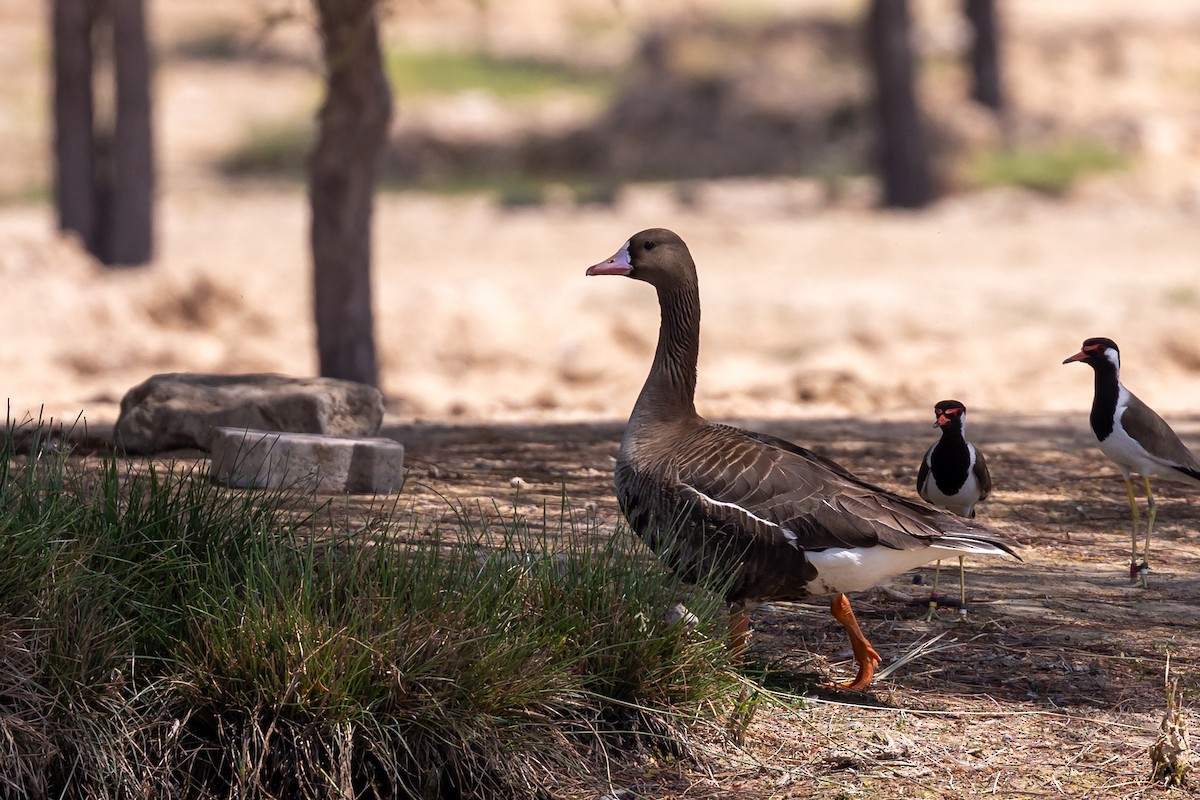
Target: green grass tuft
[(219, 43), (163, 635), (30, 192), (1050, 169), (445, 72), (279, 149), (514, 190)]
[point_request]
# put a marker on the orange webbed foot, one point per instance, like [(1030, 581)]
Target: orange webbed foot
[(864, 653)]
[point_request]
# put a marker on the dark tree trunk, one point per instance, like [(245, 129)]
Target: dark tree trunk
[(74, 148), (352, 130), (103, 150), (984, 53), (904, 153), (130, 238)]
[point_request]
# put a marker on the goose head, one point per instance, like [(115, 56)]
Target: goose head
[(657, 256)]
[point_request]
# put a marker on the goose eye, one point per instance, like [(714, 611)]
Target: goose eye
[(650, 245)]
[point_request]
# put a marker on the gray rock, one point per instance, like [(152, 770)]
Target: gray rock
[(248, 459), (179, 410), (679, 613)]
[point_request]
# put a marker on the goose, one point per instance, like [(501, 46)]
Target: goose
[(1137, 440), (779, 521), (953, 475)]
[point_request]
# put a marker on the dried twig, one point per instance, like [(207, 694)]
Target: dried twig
[(1170, 755)]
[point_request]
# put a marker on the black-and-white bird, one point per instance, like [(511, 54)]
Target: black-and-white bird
[(781, 521), (1136, 438), (953, 476)]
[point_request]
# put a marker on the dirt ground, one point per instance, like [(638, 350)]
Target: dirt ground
[(836, 327), (1052, 686)]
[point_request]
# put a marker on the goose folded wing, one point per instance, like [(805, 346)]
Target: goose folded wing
[(792, 498)]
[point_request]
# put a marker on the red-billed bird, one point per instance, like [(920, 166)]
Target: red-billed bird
[(953, 476), (1135, 438)]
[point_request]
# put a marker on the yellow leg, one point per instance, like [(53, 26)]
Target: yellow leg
[(1151, 512), (1133, 514), (933, 595), (962, 590)]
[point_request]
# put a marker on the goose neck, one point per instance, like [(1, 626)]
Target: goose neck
[(669, 391)]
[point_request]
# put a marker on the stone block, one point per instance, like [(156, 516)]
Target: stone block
[(246, 459), (179, 410)]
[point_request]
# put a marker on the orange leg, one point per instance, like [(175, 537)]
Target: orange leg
[(864, 654), (739, 630)]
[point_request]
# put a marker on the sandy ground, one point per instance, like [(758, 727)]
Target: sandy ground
[(1051, 686), (483, 313), (486, 314)]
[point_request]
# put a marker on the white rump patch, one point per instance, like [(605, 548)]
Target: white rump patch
[(855, 569)]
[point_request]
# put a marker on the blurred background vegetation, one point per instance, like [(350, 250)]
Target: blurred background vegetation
[(599, 94), (744, 108)]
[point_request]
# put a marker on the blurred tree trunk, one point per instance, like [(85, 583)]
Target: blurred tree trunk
[(130, 217), (984, 53), (904, 152), (103, 151), (74, 148), (352, 130)]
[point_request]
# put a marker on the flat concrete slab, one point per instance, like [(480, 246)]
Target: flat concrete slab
[(246, 458)]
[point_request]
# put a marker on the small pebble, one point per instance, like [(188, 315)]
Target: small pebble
[(680, 612)]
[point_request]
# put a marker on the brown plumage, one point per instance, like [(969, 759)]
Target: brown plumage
[(785, 521)]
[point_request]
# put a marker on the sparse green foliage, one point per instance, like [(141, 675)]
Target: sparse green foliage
[(216, 43), (164, 635), (1182, 296), (30, 191), (516, 190), (276, 150), (446, 72), (1049, 169)]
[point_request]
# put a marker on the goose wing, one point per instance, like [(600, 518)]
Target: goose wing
[(757, 486)]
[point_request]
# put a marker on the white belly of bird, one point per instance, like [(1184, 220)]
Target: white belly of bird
[(1128, 454), (1132, 457), (855, 569), (960, 503)]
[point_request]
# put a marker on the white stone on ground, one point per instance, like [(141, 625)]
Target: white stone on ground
[(245, 458)]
